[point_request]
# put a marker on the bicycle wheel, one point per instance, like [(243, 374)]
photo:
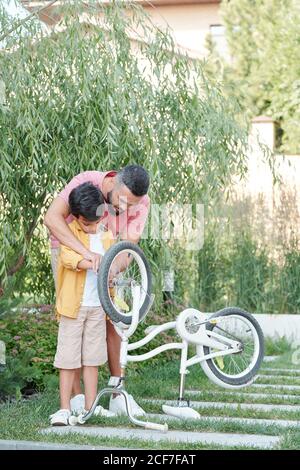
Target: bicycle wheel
[(238, 369), (123, 266)]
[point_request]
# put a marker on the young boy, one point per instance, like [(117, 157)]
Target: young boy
[(82, 324)]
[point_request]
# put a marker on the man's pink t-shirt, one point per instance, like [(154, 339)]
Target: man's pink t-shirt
[(129, 224)]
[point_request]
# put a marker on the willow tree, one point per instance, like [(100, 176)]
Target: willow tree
[(263, 40), (97, 95)]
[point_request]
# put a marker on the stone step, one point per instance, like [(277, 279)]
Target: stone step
[(219, 419), (270, 358), (277, 386), (286, 370), (209, 438), (283, 377), (232, 406), (246, 395)]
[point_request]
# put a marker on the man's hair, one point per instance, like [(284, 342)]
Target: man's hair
[(136, 178), (85, 200)]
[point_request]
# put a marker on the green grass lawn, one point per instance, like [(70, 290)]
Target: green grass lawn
[(24, 419)]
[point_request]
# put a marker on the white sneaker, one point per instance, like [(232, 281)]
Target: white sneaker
[(117, 405), (60, 418), (100, 411), (77, 403)]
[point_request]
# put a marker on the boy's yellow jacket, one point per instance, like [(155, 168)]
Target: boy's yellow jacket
[(70, 279)]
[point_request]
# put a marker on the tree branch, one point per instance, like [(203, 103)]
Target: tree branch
[(13, 269), (24, 20)]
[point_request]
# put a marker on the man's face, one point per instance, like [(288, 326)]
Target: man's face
[(120, 198), (88, 226)]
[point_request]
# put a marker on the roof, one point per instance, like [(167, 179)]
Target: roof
[(263, 118), (37, 3), (49, 14)]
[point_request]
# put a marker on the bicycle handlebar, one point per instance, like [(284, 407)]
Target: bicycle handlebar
[(157, 427)]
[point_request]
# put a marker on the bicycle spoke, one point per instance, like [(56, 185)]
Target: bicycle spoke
[(238, 329), (122, 282)]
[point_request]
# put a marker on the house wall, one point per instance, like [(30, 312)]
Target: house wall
[(189, 22), (271, 207), (260, 177)]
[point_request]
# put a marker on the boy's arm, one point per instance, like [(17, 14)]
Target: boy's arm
[(70, 259), (85, 264)]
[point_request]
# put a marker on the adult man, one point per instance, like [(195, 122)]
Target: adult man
[(125, 214)]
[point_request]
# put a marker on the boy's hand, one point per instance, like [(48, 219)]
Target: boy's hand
[(95, 259)]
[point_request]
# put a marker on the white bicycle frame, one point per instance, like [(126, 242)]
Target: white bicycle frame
[(202, 337)]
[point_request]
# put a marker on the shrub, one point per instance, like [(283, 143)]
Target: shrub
[(18, 375), (30, 348), (277, 346)]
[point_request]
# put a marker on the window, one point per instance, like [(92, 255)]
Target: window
[(217, 32)]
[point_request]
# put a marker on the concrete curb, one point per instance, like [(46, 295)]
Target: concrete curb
[(35, 445)]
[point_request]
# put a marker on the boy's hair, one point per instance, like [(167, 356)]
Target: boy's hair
[(86, 200)]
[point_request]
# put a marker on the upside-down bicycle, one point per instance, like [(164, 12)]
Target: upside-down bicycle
[(229, 343)]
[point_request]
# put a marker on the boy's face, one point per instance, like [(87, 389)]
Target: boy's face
[(88, 226)]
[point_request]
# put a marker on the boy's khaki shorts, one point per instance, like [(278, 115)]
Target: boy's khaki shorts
[(82, 340)]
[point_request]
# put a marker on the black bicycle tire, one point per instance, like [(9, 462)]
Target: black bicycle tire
[(103, 273), (251, 374)]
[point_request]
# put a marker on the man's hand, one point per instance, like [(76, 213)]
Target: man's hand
[(113, 272), (95, 258)]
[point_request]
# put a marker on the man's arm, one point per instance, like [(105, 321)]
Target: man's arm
[(55, 222)]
